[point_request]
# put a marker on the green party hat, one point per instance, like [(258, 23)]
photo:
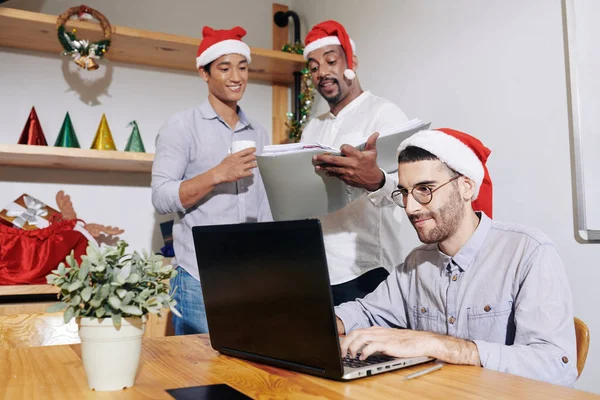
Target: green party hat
[(134, 143), (66, 136)]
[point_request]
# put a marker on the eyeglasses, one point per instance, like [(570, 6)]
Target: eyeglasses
[(423, 194)]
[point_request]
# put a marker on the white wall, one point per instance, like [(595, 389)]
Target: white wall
[(494, 69), (124, 92)]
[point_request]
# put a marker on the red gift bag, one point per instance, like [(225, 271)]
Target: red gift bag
[(26, 257)]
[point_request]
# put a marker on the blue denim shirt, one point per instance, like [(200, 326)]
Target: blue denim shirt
[(190, 143), (506, 290)]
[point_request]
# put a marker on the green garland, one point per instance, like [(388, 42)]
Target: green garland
[(306, 95)]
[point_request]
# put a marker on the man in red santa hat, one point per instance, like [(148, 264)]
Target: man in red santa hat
[(197, 175), (478, 292), (361, 239)]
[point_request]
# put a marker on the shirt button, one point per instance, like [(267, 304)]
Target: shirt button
[(423, 310), (565, 359), (487, 308), (451, 320), (454, 278)]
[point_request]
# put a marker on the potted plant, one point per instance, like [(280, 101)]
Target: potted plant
[(110, 293)]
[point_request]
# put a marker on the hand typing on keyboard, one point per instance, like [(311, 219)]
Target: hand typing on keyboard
[(356, 362), (362, 343)]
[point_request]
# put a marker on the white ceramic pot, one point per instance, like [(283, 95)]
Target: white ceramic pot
[(110, 356)]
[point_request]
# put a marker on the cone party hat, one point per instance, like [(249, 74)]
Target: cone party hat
[(103, 139), (66, 136), (32, 132), (135, 143)]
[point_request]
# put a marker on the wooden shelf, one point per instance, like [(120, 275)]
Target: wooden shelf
[(35, 31), (15, 290), (80, 159)]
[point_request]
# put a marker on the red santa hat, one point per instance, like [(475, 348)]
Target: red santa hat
[(219, 42), (331, 33), (463, 153)]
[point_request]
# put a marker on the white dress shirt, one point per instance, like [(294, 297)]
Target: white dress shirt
[(363, 235)]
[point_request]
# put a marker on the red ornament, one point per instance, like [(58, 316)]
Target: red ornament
[(32, 132)]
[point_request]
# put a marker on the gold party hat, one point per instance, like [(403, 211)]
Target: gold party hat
[(103, 139)]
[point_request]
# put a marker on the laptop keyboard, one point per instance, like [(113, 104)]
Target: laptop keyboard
[(356, 363)]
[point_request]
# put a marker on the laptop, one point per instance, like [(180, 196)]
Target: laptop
[(268, 299)]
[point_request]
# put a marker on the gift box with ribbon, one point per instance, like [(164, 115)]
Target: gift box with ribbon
[(27, 213)]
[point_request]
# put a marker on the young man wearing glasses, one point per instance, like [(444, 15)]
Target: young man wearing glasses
[(478, 292)]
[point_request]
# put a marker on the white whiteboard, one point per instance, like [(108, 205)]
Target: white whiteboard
[(583, 45)]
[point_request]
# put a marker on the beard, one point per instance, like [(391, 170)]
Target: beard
[(332, 99), (447, 220)]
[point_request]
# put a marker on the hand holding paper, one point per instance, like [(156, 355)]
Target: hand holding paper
[(358, 168), (297, 189)]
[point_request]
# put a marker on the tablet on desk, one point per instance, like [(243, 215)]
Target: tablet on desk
[(208, 392)]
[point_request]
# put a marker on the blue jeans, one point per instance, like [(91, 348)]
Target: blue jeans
[(190, 304)]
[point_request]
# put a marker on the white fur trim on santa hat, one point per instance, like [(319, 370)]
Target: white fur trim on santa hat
[(230, 46), (326, 41), (450, 151)]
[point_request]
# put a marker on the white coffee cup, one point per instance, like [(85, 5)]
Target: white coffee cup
[(240, 145)]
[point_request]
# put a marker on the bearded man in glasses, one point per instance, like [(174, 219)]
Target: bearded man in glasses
[(478, 292)]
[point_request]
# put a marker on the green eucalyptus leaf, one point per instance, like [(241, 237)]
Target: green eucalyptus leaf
[(51, 278), (71, 260), (74, 286), (128, 298), (99, 312), (86, 293), (61, 268), (133, 278), (121, 292), (116, 318), (68, 315), (83, 271), (75, 300), (105, 291), (100, 267), (96, 302), (125, 272), (114, 302), (132, 310), (56, 307)]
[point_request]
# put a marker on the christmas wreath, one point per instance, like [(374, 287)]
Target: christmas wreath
[(82, 51)]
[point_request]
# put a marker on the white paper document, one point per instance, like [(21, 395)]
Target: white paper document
[(297, 191)]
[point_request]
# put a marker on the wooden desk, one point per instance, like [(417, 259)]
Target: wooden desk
[(56, 372)]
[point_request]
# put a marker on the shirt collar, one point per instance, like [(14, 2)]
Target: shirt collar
[(208, 112), (465, 256), (352, 105)]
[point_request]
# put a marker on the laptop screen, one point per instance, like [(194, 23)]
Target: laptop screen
[(267, 294)]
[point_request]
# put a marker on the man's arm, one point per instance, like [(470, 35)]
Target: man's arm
[(170, 193), (383, 307), (545, 345), (234, 167)]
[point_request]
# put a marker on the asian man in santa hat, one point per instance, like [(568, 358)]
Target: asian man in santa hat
[(360, 239), (478, 292), (197, 175)]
